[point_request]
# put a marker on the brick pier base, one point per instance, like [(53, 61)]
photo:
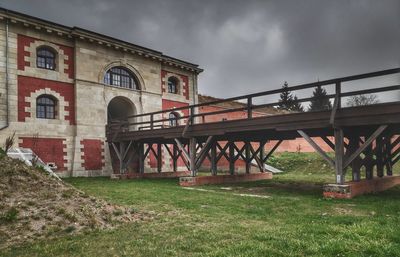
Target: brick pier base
[(351, 189), (151, 175), (221, 179)]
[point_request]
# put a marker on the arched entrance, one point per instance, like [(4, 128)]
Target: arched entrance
[(119, 109)]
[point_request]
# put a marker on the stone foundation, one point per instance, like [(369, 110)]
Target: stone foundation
[(352, 189), (221, 179), (151, 175)]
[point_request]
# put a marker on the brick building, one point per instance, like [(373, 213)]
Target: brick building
[(60, 86)]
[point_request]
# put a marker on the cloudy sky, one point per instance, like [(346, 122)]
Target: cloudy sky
[(245, 46)]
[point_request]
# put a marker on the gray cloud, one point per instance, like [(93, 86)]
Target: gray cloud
[(246, 46)]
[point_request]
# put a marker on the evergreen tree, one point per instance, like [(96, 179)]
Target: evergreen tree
[(287, 101), (297, 107), (286, 98), (320, 100)]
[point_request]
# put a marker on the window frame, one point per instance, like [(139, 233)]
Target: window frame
[(49, 56), (121, 77), (173, 119), (47, 109), (173, 80)]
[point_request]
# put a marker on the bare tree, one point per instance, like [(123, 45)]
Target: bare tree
[(361, 100)]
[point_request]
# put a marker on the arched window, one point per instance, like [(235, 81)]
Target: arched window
[(173, 119), (45, 58), (121, 77), (173, 85), (46, 107)]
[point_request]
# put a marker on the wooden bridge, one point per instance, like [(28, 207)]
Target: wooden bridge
[(363, 136)]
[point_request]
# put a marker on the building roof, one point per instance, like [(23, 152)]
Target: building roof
[(235, 104), (94, 37)]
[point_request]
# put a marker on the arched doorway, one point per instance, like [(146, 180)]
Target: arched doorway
[(119, 109)]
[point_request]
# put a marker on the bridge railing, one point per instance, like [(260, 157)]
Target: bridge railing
[(245, 103)]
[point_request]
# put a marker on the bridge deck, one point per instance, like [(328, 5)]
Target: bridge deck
[(276, 127)]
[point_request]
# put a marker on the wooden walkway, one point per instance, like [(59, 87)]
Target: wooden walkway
[(364, 136)]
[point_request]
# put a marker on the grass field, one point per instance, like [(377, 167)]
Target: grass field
[(288, 217)]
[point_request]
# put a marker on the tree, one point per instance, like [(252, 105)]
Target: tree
[(361, 100), (320, 100), (297, 107), (287, 101)]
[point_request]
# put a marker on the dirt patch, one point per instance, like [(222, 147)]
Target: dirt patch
[(35, 205)]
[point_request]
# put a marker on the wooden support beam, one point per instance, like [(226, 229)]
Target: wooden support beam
[(222, 151), (316, 147), (175, 158), (213, 159), (369, 162), (141, 157), (339, 153), (388, 156), (363, 146), (379, 156), (203, 152), (258, 160), (192, 156), (183, 150), (354, 143), (328, 142), (272, 150), (247, 155), (262, 154), (159, 158), (231, 158)]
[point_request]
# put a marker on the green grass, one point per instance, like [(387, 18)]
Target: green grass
[(293, 221)]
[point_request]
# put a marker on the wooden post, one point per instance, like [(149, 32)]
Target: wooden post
[(355, 164), (388, 156), (369, 163), (174, 157), (159, 157), (151, 121), (231, 158), (339, 152), (192, 154), (249, 107), (213, 158), (262, 155), (121, 158), (379, 156), (338, 89), (141, 157), (247, 153)]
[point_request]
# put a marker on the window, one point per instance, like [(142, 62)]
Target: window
[(120, 77), (45, 107), (173, 85), (45, 58), (173, 119)]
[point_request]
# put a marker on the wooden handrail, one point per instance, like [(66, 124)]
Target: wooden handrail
[(249, 107)]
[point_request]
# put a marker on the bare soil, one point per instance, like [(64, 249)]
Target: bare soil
[(35, 205)]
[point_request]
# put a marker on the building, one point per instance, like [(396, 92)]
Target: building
[(60, 86)]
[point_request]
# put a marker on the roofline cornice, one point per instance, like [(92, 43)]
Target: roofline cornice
[(95, 38)]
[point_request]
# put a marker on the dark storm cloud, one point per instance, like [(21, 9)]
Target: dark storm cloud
[(246, 46)]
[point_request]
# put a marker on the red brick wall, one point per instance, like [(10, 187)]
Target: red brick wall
[(185, 79), (93, 154), (169, 104), (23, 41), (48, 149), (28, 85)]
